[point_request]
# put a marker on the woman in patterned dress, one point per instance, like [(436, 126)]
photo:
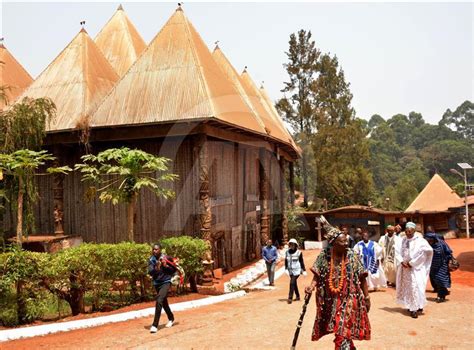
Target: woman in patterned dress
[(342, 296)]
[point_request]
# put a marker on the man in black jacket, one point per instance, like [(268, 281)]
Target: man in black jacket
[(161, 270)]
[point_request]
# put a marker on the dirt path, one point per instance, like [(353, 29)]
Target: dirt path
[(263, 320)]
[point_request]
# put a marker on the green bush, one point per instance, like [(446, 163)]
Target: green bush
[(92, 274), (21, 293), (190, 252)]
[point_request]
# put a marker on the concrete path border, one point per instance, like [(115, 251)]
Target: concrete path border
[(33, 331)]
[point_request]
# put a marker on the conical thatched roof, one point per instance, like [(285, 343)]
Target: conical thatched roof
[(175, 79), (252, 96), (437, 196), (231, 74), (12, 76), (77, 80), (278, 119), (120, 42), (260, 105)]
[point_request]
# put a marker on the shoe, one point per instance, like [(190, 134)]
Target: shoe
[(440, 299), (413, 314), (170, 324), (289, 301), (420, 311), (272, 284), (153, 329), (297, 299)]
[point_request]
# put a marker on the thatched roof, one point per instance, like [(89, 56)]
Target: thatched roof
[(278, 119), (175, 79), (12, 75), (120, 42), (252, 97), (77, 80), (437, 196)]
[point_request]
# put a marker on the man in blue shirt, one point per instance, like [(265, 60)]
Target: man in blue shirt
[(161, 270), (270, 255)]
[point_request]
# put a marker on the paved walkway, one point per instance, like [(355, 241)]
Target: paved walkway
[(263, 320)]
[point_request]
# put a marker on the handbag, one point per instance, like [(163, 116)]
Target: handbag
[(453, 264), (178, 277)]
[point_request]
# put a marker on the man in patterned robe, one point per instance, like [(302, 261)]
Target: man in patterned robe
[(391, 245), (342, 296)]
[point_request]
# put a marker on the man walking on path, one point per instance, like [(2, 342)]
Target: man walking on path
[(391, 245), (371, 254), (342, 296), (413, 271), (270, 255), (161, 270)]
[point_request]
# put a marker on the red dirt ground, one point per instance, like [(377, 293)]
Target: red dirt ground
[(263, 320)]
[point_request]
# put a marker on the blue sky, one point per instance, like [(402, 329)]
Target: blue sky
[(398, 57)]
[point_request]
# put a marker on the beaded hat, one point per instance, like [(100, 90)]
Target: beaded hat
[(331, 232)]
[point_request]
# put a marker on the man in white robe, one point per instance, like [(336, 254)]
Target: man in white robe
[(390, 244), (413, 271), (370, 253)]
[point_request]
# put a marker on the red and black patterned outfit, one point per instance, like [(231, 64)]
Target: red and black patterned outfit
[(344, 313)]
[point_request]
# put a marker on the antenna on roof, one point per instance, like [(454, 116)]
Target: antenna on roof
[(245, 69), (217, 44), (120, 8), (1, 41), (261, 84), (82, 23), (179, 6)]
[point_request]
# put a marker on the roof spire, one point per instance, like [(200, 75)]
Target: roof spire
[(82, 23), (261, 84), (1, 42), (245, 70), (120, 8), (179, 6), (217, 44)]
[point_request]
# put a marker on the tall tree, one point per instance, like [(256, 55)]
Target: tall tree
[(340, 147), (297, 108)]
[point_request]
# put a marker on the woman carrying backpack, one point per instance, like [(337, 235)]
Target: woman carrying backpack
[(294, 267), (162, 269)]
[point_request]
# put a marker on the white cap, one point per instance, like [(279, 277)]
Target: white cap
[(293, 241)]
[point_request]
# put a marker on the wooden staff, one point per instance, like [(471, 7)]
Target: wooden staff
[(307, 297)]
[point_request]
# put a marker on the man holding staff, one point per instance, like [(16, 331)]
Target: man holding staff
[(342, 296)]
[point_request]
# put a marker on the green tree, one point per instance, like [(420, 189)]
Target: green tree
[(461, 120), (24, 125), (340, 146), (121, 173), (22, 165), (297, 109)]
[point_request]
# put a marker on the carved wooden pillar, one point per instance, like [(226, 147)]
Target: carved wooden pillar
[(58, 197), (205, 215), (292, 183), (283, 200), (264, 218)]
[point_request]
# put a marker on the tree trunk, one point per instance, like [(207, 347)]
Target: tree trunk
[(75, 297), (130, 217), (20, 303), (19, 224)]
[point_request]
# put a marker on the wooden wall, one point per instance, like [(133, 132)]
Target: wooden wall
[(234, 191)]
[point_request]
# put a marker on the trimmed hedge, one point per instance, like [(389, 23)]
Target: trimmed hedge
[(97, 274)]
